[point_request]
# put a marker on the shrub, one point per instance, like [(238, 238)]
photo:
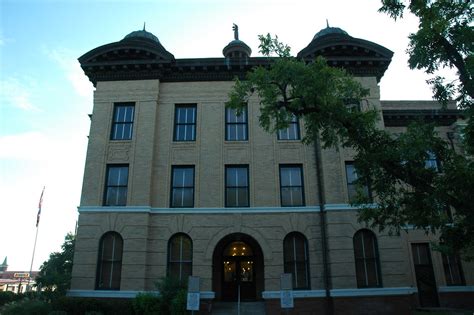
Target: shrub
[(26, 307), (81, 306), (6, 297), (169, 289), (146, 303), (178, 304)]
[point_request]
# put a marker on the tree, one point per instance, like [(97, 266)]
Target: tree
[(445, 38), (405, 190), (55, 273)]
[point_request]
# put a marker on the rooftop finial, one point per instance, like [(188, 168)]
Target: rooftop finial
[(327, 23), (235, 28), (144, 26)]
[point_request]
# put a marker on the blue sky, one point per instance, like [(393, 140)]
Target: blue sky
[(45, 97)]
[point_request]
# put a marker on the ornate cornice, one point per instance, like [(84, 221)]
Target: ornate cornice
[(403, 117), (137, 58)]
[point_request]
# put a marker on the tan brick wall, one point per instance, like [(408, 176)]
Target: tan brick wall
[(152, 152)]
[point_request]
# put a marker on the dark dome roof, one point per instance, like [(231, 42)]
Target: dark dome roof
[(329, 31), (142, 34), (237, 46)]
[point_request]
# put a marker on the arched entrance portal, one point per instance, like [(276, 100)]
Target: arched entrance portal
[(237, 265)]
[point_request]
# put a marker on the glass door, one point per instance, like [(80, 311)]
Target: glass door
[(238, 273)]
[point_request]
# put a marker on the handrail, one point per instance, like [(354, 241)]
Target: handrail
[(238, 300)]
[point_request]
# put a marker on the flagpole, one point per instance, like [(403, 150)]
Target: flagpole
[(32, 259), (36, 237)]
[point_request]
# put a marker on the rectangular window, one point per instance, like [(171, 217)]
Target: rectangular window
[(291, 186), (453, 270), (122, 123), (236, 128), (182, 187), (292, 132), (351, 177), (116, 185), (236, 186), (185, 123)]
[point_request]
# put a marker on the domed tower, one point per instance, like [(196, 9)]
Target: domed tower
[(360, 57), (237, 49), (139, 55)]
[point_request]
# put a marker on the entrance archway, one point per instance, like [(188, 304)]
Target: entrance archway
[(237, 265)]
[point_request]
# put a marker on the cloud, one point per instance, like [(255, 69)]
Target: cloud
[(25, 146), (66, 59), (17, 94)]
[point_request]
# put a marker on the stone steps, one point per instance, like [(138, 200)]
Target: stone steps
[(246, 308)]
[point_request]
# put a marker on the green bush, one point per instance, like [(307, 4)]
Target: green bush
[(169, 289), (146, 304), (26, 307), (178, 304), (82, 306), (6, 297)]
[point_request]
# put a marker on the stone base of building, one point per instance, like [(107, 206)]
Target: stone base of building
[(365, 305), (460, 300)]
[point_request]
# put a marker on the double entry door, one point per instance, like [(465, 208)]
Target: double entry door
[(238, 278)]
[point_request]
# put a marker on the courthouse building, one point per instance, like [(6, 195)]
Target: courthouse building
[(175, 183)]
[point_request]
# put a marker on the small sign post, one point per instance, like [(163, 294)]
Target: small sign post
[(286, 291), (193, 294)]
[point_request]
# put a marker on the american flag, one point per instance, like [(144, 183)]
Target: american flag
[(39, 208)]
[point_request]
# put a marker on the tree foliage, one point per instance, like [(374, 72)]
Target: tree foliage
[(445, 38), (55, 273), (406, 191)]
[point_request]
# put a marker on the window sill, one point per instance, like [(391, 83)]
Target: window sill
[(236, 141)]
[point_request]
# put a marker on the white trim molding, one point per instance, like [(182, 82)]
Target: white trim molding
[(373, 291), (460, 288), (205, 295), (297, 294)]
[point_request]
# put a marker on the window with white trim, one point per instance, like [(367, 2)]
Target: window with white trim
[(236, 186), (182, 187), (180, 257), (291, 186), (292, 132), (296, 262), (109, 267), (236, 127), (185, 123), (122, 123), (116, 185), (366, 259)]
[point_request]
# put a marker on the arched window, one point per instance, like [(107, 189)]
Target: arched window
[(367, 262), (109, 266), (295, 256), (180, 257)]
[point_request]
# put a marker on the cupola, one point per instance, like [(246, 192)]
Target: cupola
[(237, 49), (359, 56)]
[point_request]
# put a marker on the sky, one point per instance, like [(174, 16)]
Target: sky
[(45, 98)]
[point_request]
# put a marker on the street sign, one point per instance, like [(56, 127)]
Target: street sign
[(193, 301), (286, 292), (286, 297), (193, 294)]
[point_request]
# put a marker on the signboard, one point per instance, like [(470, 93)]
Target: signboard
[(21, 275), (286, 299), (193, 294), (193, 301), (286, 292), (193, 284)]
